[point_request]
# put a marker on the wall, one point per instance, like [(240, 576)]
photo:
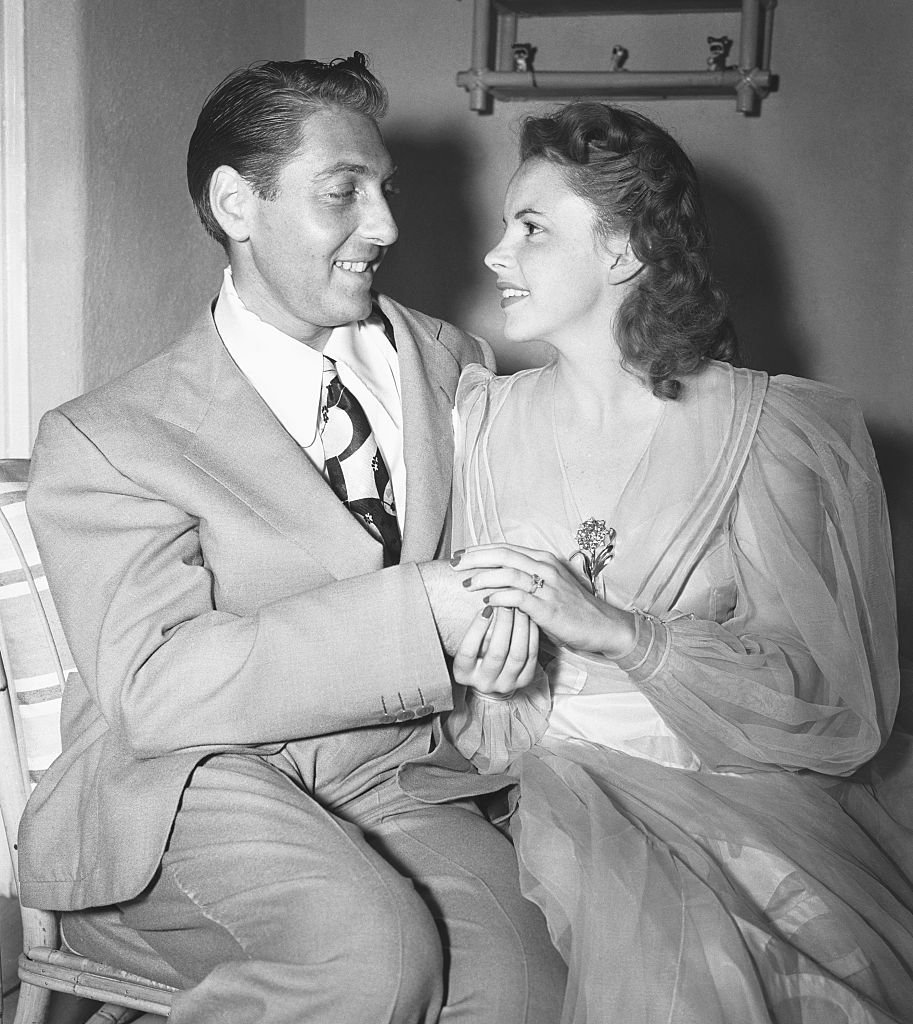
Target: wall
[(118, 263), (811, 202)]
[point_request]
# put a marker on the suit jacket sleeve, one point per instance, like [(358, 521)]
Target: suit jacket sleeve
[(168, 669)]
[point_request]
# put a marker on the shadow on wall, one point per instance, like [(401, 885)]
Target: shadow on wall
[(431, 266), (894, 452), (748, 263)]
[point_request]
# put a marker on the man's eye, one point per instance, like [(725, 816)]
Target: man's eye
[(530, 229), (343, 193), (391, 189)]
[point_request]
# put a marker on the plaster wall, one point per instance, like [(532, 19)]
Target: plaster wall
[(118, 263)]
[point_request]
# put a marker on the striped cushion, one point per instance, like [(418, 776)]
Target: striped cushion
[(34, 654)]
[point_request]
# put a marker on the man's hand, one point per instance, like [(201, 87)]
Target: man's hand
[(453, 605)]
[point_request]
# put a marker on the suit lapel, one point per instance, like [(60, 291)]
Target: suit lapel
[(428, 378), (240, 444)]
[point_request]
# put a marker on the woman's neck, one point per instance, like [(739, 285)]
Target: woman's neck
[(596, 386)]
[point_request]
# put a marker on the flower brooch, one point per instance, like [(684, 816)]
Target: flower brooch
[(596, 546)]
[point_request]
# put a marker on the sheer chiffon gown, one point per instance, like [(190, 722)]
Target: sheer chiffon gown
[(701, 820)]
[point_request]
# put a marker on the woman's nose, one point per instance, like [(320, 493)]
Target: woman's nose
[(496, 258)]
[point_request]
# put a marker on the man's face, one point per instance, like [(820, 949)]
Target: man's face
[(308, 262)]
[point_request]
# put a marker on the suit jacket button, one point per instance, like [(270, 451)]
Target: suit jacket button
[(406, 715), (387, 719), (425, 709)]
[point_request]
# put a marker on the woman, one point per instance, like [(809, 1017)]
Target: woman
[(705, 552)]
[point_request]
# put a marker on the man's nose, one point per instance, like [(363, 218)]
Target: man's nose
[(379, 225)]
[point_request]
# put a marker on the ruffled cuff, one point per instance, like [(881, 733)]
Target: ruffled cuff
[(493, 732), (650, 650)]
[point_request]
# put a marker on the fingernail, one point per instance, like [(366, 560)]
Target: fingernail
[(487, 611), (486, 599), (456, 556), (467, 582)]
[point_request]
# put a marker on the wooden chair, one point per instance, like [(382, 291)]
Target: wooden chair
[(35, 664)]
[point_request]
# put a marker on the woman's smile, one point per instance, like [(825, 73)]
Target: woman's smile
[(511, 294)]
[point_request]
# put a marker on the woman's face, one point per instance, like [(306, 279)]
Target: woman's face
[(553, 272)]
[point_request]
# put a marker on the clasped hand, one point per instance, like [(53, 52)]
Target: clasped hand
[(547, 591), (498, 653)]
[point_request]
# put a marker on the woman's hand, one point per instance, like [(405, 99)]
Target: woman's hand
[(498, 653), (542, 586)]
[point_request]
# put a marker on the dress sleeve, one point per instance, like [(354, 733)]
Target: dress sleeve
[(469, 408), (492, 732), (488, 731), (804, 672)]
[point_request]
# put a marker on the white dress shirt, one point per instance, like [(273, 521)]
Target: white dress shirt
[(288, 376)]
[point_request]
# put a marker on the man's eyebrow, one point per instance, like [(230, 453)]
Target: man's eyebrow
[(344, 167)]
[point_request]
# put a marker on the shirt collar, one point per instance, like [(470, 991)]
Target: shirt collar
[(271, 360)]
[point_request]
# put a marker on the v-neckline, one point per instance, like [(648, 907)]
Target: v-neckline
[(572, 511)]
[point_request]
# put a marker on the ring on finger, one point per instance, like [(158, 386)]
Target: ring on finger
[(536, 583)]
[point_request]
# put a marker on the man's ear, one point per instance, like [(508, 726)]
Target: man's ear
[(231, 199), (623, 265)]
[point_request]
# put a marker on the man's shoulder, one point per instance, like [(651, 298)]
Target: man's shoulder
[(463, 346), (143, 386)]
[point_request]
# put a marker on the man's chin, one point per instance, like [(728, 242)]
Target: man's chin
[(350, 306), (362, 309)]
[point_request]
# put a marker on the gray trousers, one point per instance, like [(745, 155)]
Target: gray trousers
[(286, 898)]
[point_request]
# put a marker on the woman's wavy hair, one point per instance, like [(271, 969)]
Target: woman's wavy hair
[(638, 181), (252, 121)]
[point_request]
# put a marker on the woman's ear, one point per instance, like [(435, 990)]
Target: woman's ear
[(230, 197), (623, 265)]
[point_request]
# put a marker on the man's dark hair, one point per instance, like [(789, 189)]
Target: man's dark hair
[(252, 121)]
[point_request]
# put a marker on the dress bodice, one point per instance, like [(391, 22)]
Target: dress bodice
[(522, 495), (748, 539)]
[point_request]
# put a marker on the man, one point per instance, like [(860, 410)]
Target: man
[(254, 802)]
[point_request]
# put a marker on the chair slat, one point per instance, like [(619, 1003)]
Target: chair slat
[(61, 958), (144, 997)]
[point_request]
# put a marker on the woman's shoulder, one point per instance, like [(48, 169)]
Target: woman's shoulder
[(722, 384), (818, 430), (789, 423), (826, 398), (789, 400), (817, 412), (478, 382), (473, 377)]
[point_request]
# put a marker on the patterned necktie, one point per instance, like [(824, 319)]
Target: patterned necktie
[(354, 464)]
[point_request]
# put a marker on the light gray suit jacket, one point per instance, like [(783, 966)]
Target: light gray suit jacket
[(217, 596)]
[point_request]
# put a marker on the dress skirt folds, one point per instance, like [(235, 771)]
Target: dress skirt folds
[(708, 898), (704, 821)]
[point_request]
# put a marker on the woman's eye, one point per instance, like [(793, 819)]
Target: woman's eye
[(391, 189), (343, 193), (530, 229)]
